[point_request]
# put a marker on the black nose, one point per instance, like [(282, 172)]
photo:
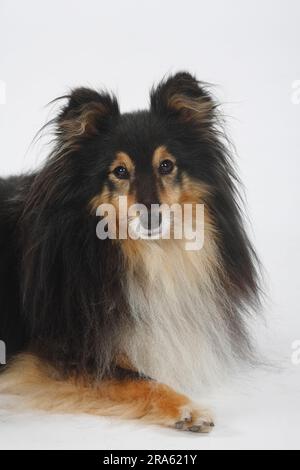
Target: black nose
[(151, 219)]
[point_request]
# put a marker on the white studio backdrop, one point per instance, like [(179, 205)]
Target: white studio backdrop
[(249, 49)]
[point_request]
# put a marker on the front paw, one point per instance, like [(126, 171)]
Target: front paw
[(175, 410), (194, 419)]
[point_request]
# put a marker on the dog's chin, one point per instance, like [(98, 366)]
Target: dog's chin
[(138, 231)]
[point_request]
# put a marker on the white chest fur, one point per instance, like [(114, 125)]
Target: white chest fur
[(181, 337)]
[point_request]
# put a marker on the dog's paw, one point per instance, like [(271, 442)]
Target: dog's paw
[(193, 419), (169, 408)]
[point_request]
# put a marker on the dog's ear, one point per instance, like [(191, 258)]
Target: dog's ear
[(86, 113), (183, 96)]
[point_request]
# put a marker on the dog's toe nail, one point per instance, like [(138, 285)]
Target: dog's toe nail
[(208, 424), (195, 428), (179, 425)]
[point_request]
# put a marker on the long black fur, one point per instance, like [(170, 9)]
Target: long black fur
[(61, 289)]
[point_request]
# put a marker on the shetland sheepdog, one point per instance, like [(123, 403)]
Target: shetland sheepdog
[(126, 326)]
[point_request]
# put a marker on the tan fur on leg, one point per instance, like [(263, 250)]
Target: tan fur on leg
[(41, 387)]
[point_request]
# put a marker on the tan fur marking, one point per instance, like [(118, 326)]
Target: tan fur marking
[(122, 159), (39, 386), (84, 123), (122, 186), (197, 109), (123, 362), (168, 190), (194, 193), (161, 154), (132, 250), (102, 198)]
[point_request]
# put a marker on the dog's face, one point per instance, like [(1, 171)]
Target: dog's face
[(155, 157)]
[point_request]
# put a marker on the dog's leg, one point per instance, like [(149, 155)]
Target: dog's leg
[(40, 387)]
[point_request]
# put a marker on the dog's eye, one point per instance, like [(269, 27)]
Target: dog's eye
[(166, 167), (121, 172)]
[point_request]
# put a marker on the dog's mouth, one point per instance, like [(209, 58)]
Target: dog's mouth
[(150, 225)]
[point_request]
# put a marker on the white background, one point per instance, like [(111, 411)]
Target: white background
[(250, 50)]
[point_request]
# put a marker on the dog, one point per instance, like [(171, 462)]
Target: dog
[(126, 326)]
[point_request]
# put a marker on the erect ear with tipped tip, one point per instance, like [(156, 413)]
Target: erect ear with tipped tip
[(87, 113), (183, 96)]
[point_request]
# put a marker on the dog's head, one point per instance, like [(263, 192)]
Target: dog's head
[(165, 155)]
